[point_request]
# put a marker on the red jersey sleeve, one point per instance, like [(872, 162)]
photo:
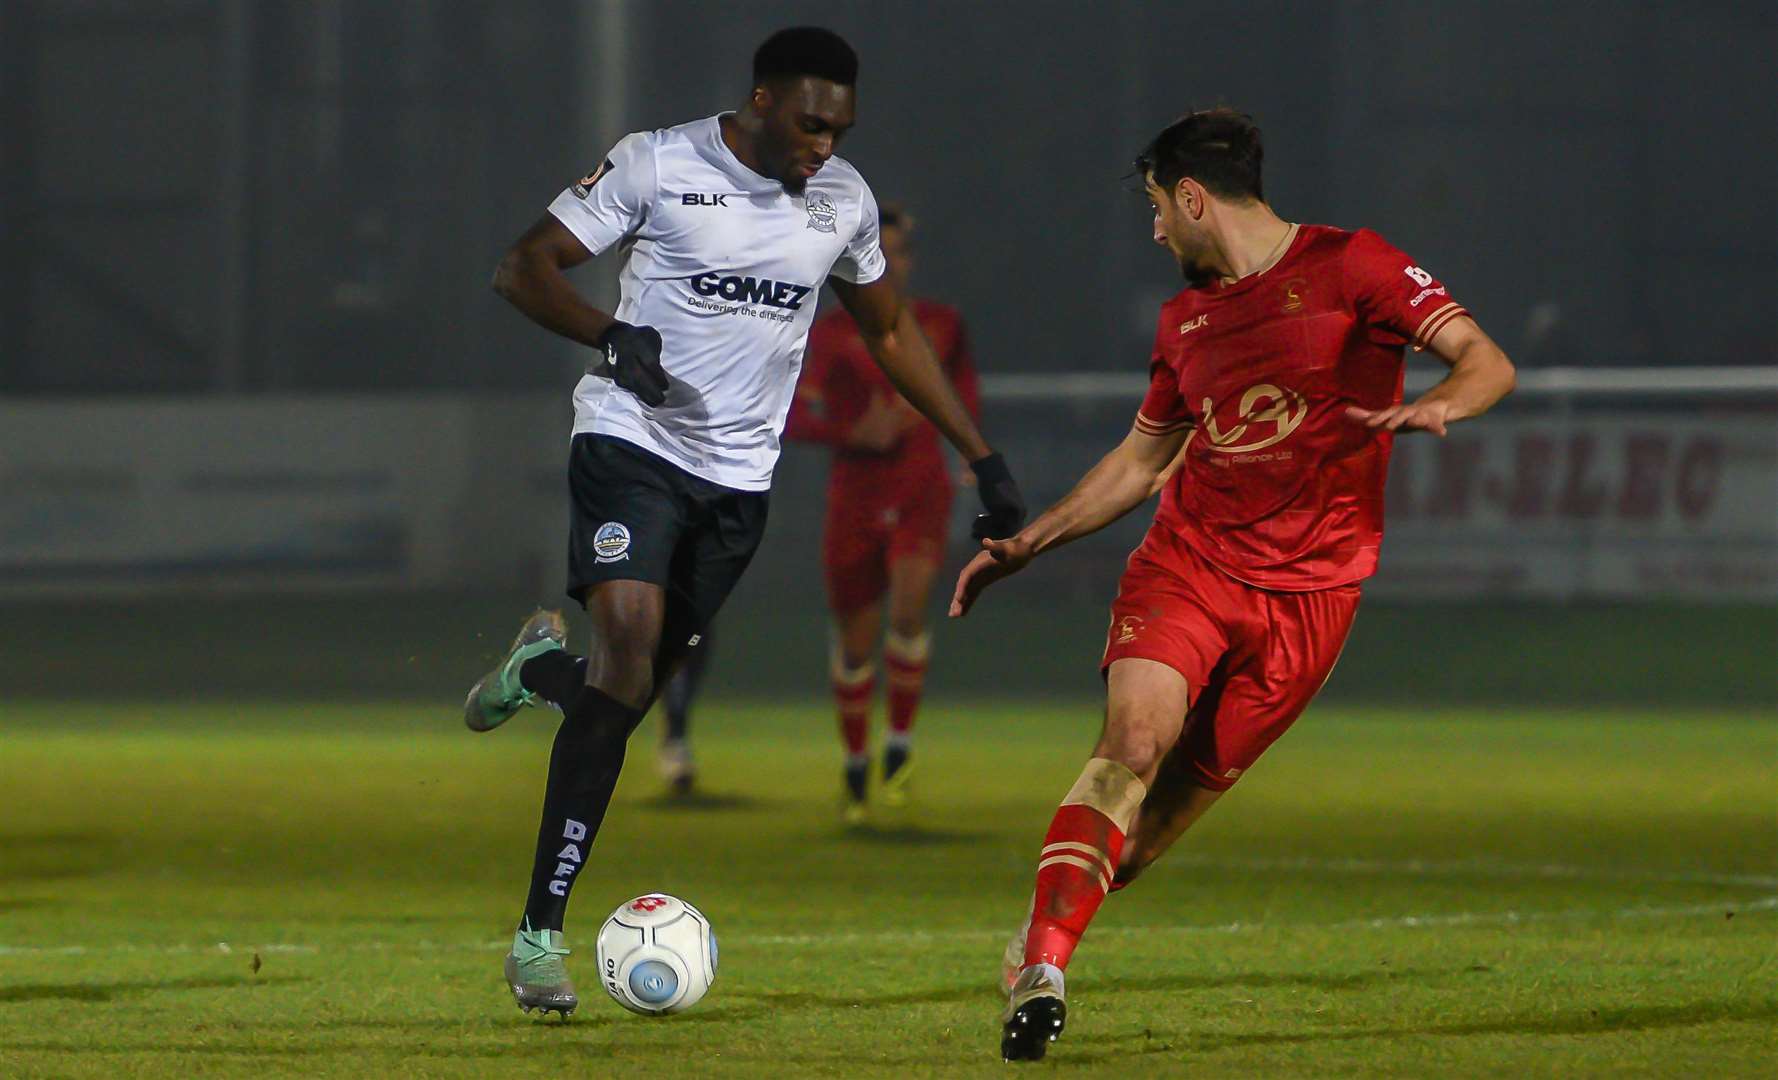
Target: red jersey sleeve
[(811, 419), (1163, 408), (1400, 303)]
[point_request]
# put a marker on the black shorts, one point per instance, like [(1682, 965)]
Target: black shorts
[(634, 516)]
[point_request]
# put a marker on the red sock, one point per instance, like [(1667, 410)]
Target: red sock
[(852, 692), (906, 659), (1080, 854)]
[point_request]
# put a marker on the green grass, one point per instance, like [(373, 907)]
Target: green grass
[(1454, 893), (403, 647)]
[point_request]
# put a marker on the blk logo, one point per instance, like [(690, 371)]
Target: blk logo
[(648, 903), (694, 199)]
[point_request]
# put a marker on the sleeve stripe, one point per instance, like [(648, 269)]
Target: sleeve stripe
[(1161, 427), (1436, 322)]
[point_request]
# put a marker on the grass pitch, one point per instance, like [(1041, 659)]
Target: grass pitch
[(324, 890)]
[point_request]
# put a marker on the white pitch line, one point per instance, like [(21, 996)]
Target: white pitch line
[(1394, 922), (1476, 867)]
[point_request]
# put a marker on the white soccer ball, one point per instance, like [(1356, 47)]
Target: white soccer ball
[(657, 955)]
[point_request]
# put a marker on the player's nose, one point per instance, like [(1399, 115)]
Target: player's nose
[(1160, 235)]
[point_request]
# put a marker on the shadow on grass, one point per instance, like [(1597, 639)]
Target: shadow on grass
[(699, 800), (1600, 1021), (107, 991), (55, 856), (748, 1004)]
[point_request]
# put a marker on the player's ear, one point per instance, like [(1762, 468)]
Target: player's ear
[(1190, 196), (761, 100)]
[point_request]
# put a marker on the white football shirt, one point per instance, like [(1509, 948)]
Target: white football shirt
[(728, 266)]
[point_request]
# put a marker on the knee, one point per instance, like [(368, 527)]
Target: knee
[(1135, 744), (907, 627), (852, 644), (908, 643), (623, 664)]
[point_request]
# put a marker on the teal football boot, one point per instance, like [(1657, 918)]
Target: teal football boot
[(498, 695), (536, 975)]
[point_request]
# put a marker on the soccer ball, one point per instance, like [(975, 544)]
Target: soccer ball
[(657, 955)]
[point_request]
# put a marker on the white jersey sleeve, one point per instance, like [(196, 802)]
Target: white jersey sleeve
[(862, 262), (614, 200)]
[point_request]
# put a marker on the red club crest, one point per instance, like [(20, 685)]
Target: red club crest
[(648, 903)]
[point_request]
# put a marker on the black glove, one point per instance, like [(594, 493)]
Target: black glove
[(632, 360), (1003, 505)]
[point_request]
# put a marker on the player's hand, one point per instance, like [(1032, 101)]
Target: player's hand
[(632, 360), (1418, 416), (997, 559), (1003, 507), (881, 428)]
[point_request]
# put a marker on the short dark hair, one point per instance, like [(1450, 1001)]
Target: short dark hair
[(806, 50), (1219, 148)]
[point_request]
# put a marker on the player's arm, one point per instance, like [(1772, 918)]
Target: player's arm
[(900, 348), (533, 278), (1123, 480), (1480, 376), (1400, 303), (611, 202), (818, 415)]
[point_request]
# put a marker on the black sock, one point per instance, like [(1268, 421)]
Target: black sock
[(857, 780), (558, 675), (583, 768), (682, 687)]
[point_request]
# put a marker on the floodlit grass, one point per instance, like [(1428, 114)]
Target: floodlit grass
[(324, 890)]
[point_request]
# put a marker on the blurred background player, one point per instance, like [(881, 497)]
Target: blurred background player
[(888, 508), (1275, 393), (678, 768)]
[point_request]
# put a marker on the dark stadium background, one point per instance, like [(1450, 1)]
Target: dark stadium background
[(214, 215)]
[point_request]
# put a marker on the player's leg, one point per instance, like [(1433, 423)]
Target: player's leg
[(584, 764), (853, 565), (1145, 707), (1164, 640), (1175, 802), (1273, 671), (1146, 704), (626, 523), (907, 648), (1176, 799), (853, 673), (681, 688)]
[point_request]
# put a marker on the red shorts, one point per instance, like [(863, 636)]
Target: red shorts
[(1253, 658), (864, 535)]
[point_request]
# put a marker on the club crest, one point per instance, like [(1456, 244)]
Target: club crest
[(611, 543), (823, 215)]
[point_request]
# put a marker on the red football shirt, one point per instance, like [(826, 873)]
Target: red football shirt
[(1278, 488), (839, 380)]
